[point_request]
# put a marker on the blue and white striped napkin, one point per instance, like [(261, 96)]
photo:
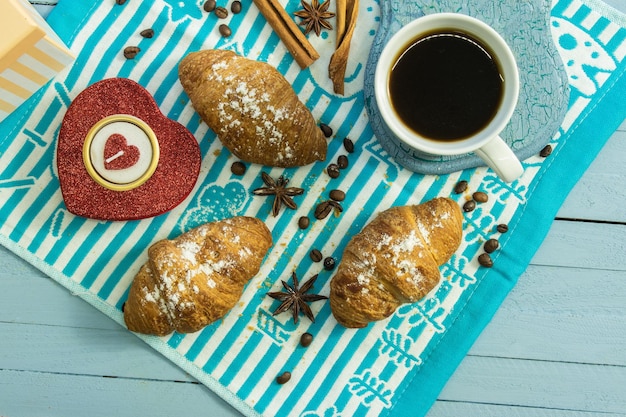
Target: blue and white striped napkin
[(395, 367)]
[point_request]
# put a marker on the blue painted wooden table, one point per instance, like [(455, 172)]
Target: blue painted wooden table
[(556, 347)]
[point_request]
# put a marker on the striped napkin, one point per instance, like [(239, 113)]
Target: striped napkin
[(392, 368)]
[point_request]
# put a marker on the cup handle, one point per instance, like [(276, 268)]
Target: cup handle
[(499, 157)]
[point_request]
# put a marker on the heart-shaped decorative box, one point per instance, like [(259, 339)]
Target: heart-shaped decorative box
[(120, 158)]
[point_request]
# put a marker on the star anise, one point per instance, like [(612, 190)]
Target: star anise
[(282, 194), (296, 298), (315, 16)]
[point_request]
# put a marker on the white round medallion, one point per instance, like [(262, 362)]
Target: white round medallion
[(121, 152)]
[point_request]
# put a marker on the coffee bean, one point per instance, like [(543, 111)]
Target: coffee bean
[(546, 151), (238, 168), (322, 210), (333, 170), (326, 130), (469, 206), (491, 245), (225, 31), (485, 260), (315, 255), (147, 33), (337, 195), (335, 204), (342, 162), (209, 5), (303, 222), (503, 228), (284, 377), (329, 263), (235, 7), (131, 52), (120, 2), (348, 145), (221, 12), (480, 197), (460, 187), (306, 339)]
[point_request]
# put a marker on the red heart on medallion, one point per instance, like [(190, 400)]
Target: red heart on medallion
[(118, 154), (176, 172)]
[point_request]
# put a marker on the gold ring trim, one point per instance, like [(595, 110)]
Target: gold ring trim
[(93, 173)]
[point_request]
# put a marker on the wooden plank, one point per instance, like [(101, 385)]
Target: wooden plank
[(454, 408), (601, 193), (507, 383), (560, 314), (568, 244), (586, 322), (27, 394), (538, 384), (583, 245), (618, 4), (27, 295), (83, 351)]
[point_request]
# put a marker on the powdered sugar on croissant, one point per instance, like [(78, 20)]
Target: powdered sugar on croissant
[(252, 108), (394, 260), (195, 279)]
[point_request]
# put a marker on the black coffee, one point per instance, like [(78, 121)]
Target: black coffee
[(446, 86)]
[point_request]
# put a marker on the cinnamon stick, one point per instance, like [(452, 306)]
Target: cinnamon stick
[(347, 12), (289, 33), (340, 19)]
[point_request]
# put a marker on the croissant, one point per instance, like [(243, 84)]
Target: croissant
[(394, 260), (252, 108), (197, 278)]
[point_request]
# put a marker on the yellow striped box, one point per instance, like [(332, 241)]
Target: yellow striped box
[(31, 54)]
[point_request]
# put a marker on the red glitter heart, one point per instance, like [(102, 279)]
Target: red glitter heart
[(175, 175), (118, 154)]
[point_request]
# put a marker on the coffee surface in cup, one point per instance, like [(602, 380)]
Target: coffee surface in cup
[(446, 86)]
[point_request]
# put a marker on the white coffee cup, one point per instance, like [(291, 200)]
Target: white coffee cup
[(486, 142)]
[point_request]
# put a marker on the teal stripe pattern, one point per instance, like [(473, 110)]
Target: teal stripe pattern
[(395, 367)]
